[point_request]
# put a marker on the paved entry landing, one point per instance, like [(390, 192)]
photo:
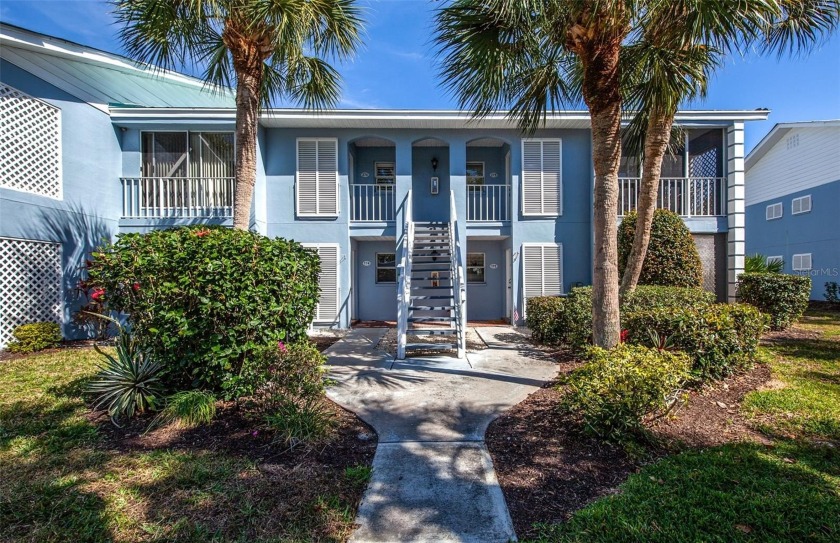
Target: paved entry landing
[(433, 479)]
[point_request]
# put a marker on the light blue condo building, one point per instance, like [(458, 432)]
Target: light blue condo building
[(425, 218)]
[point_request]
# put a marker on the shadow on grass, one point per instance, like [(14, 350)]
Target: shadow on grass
[(821, 350), (739, 492)]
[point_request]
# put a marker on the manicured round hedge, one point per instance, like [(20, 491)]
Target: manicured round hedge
[(783, 297), (672, 259), (205, 299)]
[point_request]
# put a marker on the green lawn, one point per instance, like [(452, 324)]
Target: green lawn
[(62, 481), (744, 492)]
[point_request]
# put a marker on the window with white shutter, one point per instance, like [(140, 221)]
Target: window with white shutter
[(802, 262), (542, 178), (801, 205), (542, 269), (317, 177), (326, 311)]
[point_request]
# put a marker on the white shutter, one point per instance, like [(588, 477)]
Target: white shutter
[(542, 183), (307, 177), (317, 177), (542, 269), (328, 303)]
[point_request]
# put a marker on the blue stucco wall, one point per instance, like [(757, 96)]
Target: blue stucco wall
[(91, 203), (817, 232)]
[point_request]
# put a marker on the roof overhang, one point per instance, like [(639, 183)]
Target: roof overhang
[(779, 131), (404, 118)]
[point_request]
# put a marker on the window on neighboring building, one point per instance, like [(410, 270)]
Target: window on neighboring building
[(385, 173), (475, 268), (770, 259), (475, 173), (802, 262), (187, 154), (386, 268), (774, 211), (801, 205)]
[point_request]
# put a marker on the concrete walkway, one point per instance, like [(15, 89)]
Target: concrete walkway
[(433, 479)]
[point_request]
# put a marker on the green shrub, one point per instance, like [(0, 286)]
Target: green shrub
[(783, 297), (616, 389), (128, 383), (545, 318), (291, 392), (205, 299), (832, 292), (720, 338), (36, 336), (647, 297), (188, 408), (568, 321), (671, 259)]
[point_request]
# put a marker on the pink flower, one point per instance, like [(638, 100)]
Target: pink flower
[(625, 335), (254, 433), (281, 346), (97, 294), (136, 287)]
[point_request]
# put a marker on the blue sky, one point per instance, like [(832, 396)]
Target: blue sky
[(396, 69)]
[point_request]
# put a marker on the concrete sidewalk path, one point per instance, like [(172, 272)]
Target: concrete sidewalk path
[(433, 479)]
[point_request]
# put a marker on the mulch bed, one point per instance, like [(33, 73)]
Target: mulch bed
[(548, 469)]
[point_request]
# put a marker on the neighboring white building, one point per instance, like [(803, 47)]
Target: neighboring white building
[(793, 199)]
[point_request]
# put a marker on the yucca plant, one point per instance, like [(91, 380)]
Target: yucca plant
[(189, 408), (758, 263), (127, 382)]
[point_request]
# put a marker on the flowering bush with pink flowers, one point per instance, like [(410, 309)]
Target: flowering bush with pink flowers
[(204, 300)]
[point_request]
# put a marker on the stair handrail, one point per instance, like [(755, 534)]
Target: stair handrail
[(404, 271), (456, 271)]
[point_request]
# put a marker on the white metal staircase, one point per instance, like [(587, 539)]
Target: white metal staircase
[(432, 290)]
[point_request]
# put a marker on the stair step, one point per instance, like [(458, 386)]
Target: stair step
[(424, 270), (431, 307), (432, 331), (431, 319), (444, 297), (431, 288), (429, 347), (413, 278)]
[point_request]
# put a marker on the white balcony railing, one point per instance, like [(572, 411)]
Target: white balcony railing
[(488, 203), (685, 196), (177, 197), (372, 203)]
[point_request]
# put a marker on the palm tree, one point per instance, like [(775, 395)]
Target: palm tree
[(532, 56), (522, 57), (673, 62), (270, 49)]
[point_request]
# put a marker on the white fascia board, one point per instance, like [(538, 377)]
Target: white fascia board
[(406, 118)]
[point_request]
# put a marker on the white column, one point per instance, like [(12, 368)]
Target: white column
[(735, 208)]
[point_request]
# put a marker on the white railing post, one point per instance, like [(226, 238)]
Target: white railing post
[(404, 286), (162, 197), (456, 272), (488, 203)]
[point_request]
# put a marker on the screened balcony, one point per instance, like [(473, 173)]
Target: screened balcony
[(183, 175), (692, 181)]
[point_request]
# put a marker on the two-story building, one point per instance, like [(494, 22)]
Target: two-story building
[(426, 217), (793, 198)]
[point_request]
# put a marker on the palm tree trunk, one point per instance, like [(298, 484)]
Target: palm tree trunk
[(602, 94), (657, 137), (247, 119)]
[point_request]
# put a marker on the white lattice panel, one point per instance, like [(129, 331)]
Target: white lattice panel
[(30, 144), (30, 284)]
